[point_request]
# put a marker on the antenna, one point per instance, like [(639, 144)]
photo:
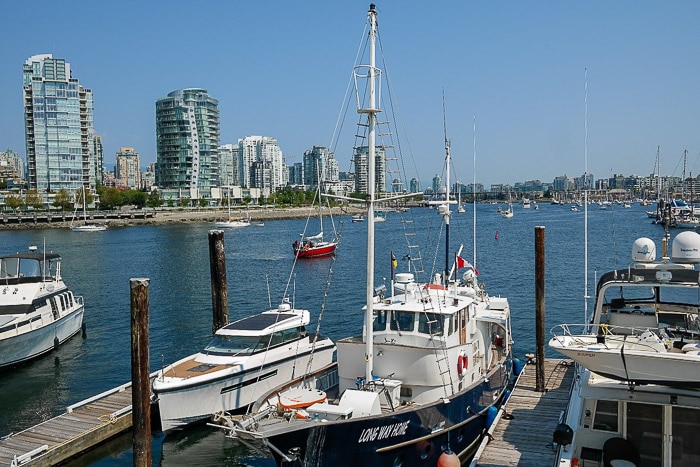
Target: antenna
[(474, 192), (585, 196)]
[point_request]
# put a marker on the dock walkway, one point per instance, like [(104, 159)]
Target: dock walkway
[(523, 437), (81, 427)]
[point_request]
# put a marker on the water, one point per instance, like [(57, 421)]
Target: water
[(258, 261)]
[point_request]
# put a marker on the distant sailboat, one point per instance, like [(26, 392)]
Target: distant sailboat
[(233, 221), (86, 226)]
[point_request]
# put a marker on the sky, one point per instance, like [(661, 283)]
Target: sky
[(532, 90)]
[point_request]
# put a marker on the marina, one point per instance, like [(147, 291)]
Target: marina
[(181, 315)]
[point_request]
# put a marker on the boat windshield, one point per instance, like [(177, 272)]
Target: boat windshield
[(228, 345)]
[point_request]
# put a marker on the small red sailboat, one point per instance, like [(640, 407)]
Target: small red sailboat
[(314, 246)]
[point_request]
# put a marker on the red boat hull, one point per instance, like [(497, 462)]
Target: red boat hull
[(302, 251)]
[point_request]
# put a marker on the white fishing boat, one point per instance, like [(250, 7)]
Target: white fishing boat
[(244, 360), (635, 399), (86, 226), (38, 312), (423, 380)]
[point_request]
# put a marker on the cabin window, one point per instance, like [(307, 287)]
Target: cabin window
[(63, 301), (430, 323), (290, 334), (402, 321), (380, 318), (605, 416), (9, 267)]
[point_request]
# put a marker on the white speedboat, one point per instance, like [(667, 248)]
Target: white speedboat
[(636, 398), (243, 361), (37, 310)]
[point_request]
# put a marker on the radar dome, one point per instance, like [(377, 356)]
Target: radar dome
[(686, 248), (644, 250)]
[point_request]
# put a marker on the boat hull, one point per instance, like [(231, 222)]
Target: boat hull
[(407, 437), (640, 366), (29, 345), (317, 251), (229, 390)]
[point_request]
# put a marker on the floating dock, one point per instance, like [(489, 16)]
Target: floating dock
[(83, 426), (522, 432)]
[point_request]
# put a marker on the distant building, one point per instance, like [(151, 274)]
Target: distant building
[(98, 150), (228, 165), (437, 183), (319, 161), (127, 170), (187, 143), (59, 131), (148, 178), (296, 174), (260, 164), (12, 167), (361, 163), (414, 185)]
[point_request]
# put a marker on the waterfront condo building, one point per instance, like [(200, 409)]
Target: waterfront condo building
[(187, 144), (361, 162), (127, 170), (261, 164), (59, 133)]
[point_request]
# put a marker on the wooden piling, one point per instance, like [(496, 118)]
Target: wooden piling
[(219, 287), (539, 307), (141, 392)]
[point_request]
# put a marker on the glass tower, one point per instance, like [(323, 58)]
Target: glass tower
[(187, 142), (59, 129)]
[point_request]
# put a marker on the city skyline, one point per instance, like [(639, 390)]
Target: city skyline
[(516, 72)]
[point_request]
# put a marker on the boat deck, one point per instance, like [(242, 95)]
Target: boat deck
[(526, 438), (81, 427)]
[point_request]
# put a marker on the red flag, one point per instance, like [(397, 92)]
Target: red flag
[(463, 263)]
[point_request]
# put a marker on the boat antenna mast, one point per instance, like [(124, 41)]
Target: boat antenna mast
[(586, 297)]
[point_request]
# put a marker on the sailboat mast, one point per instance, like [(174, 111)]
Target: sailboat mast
[(371, 112), (446, 208)]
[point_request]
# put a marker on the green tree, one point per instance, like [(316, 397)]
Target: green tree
[(111, 198), (34, 199), (14, 201), (202, 202), (184, 202), (62, 200), (154, 200)]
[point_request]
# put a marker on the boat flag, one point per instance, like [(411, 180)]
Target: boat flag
[(394, 263), (463, 263)]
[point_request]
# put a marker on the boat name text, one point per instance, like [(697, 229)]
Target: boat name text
[(383, 432)]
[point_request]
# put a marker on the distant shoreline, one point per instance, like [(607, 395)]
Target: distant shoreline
[(196, 216)]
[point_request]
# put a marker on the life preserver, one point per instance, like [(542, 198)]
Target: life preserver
[(462, 363), (306, 247)]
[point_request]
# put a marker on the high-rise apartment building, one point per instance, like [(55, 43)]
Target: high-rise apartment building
[(261, 164), (361, 169), (59, 133), (320, 162), (127, 169), (229, 165), (187, 143)]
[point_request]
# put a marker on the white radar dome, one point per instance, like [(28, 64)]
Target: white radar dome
[(644, 250), (686, 248)]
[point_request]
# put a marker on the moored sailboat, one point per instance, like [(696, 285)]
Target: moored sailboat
[(418, 385), (313, 246)]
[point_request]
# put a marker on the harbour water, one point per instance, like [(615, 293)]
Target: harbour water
[(259, 259)]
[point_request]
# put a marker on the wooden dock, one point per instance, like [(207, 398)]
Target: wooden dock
[(81, 427), (523, 436)]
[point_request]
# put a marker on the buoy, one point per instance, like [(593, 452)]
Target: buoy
[(448, 459), (496, 234)]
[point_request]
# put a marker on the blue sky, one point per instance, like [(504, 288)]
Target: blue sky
[(280, 68)]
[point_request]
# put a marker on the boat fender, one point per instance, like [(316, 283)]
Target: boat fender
[(448, 459), (491, 413), (517, 366), (55, 343), (301, 414), (462, 363)]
